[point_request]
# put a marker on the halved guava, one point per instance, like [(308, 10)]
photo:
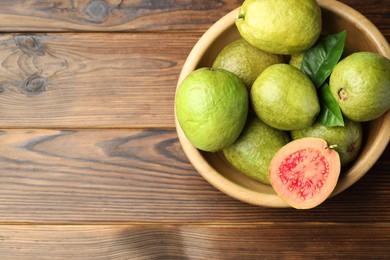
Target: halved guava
[(304, 172)]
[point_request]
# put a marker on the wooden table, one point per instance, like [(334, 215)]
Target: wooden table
[(90, 163)]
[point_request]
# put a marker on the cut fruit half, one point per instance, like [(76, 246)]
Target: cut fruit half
[(304, 172)]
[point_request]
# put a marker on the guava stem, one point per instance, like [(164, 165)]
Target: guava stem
[(342, 94), (241, 16), (351, 147)]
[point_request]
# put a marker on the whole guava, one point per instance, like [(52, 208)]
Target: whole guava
[(285, 98), (361, 85), (253, 151), (280, 26), (212, 108), (245, 61), (346, 140)]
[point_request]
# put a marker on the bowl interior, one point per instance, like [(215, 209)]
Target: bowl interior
[(362, 35)]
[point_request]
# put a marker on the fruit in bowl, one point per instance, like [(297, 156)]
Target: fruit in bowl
[(341, 26)]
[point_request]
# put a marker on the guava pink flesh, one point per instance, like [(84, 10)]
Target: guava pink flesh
[(304, 172)]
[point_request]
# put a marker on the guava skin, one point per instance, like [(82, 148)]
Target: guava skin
[(212, 107), (294, 27), (253, 151), (305, 172), (296, 59), (346, 140), (245, 61), (361, 85), (285, 98)]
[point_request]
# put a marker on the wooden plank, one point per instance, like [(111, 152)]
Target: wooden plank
[(295, 241), (376, 11), (111, 15), (136, 175), (90, 80), (127, 15)]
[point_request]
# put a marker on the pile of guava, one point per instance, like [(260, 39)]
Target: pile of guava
[(283, 103)]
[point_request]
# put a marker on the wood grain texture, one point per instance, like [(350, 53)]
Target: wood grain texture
[(152, 15), (301, 241), (90, 80), (83, 80), (91, 167), (377, 11), (142, 176), (112, 15)]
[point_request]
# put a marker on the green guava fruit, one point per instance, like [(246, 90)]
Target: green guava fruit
[(305, 172), (346, 140), (280, 26), (296, 59), (361, 85), (211, 108), (285, 98), (245, 61), (253, 151)]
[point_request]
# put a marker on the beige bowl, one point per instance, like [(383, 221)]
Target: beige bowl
[(362, 35)]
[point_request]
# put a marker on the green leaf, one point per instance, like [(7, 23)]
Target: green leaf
[(320, 59), (330, 114)]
